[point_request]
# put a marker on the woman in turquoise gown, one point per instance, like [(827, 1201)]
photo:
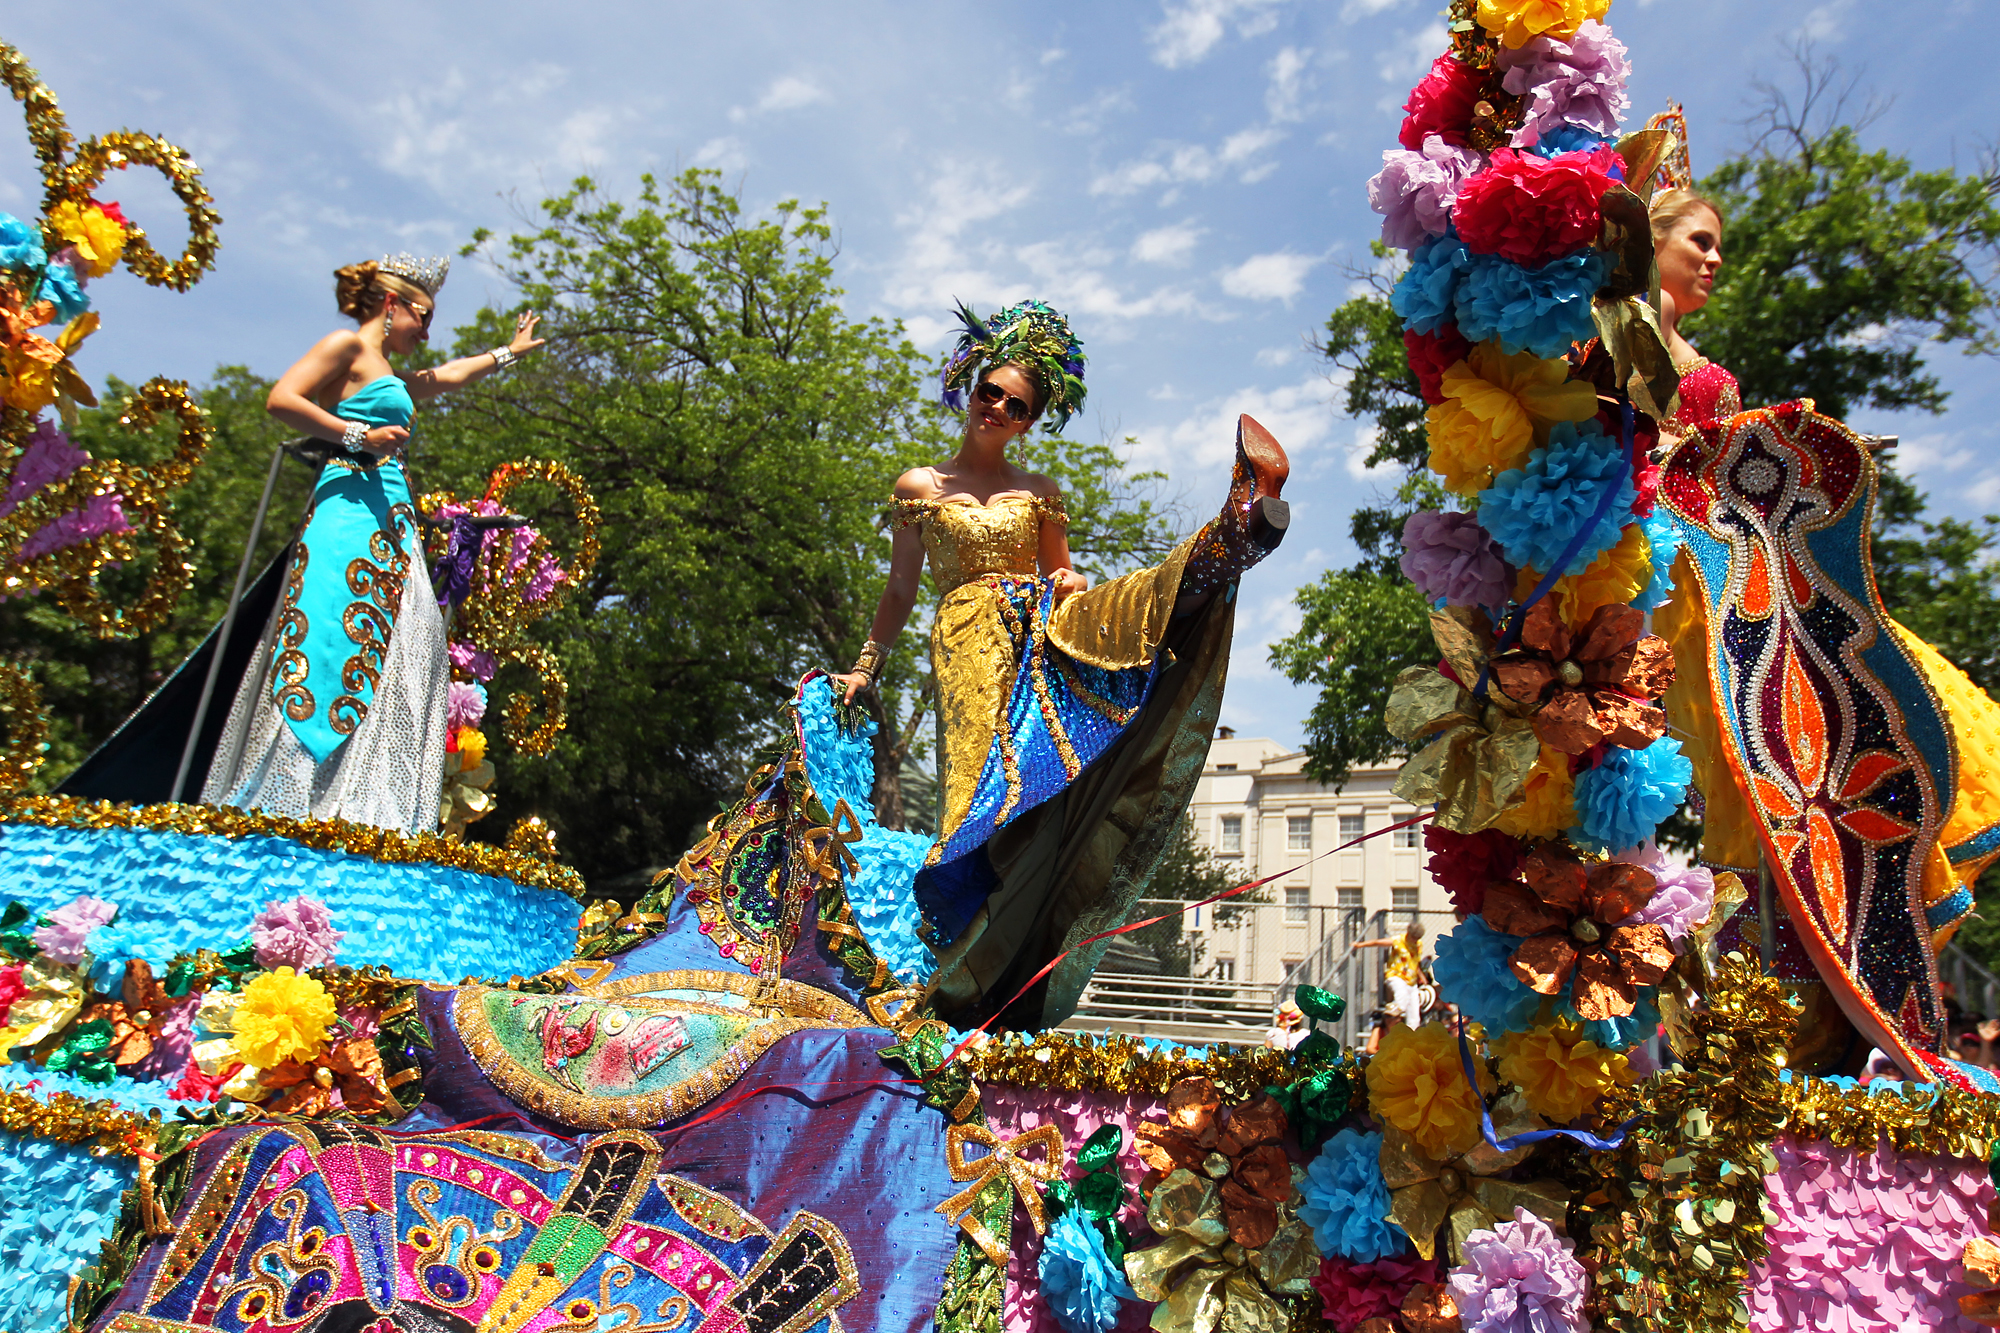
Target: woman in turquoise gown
[(342, 714)]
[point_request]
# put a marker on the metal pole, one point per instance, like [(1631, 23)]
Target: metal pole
[(228, 624), (1767, 915)]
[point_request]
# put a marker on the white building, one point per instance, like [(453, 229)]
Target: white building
[(1257, 811)]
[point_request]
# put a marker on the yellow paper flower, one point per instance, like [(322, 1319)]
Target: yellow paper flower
[(1559, 1070), (1613, 579), (1496, 408), (1548, 800), (98, 238), (472, 747), (30, 364), (1518, 22), (1416, 1082), (282, 1016)]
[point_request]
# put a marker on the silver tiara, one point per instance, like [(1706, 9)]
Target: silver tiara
[(426, 273)]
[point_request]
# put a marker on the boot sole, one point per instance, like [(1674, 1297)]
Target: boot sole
[(1264, 454), (1269, 518)]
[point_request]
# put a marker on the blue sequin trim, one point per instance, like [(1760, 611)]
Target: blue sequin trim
[(1983, 843), (1949, 908)]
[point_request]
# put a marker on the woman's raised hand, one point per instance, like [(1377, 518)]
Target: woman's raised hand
[(524, 334)]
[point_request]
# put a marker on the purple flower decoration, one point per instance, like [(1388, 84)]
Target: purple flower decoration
[(1520, 1277), (465, 705), (69, 928), (1414, 191), (1451, 556), (1684, 898), (173, 1044), (297, 934), (474, 662), (1579, 82), (99, 516), (48, 459)]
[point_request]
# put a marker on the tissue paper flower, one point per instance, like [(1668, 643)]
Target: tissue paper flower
[(1080, 1284), (1427, 293), (1540, 310), (1433, 353), (1451, 556), (1416, 1082), (1351, 1293), (282, 1016), (1575, 86), (1346, 1202), (1683, 896), (1518, 22), (1621, 801), (1495, 407), (298, 933), (1547, 805), (1463, 864), (1558, 1069), (1520, 1277), (1472, 973), (465, 705), (1442, 103), (96, 230), (1415, 189), (1549, 508), (66, 936), (1533, 209)]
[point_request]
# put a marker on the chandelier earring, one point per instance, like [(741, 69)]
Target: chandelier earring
[(388, 319)]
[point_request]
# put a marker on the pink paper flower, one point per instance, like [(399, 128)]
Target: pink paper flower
[(474, 662), (173, 1045), (1451, 556), (1533, 210), (101, 515), (1579, 82), (1414, 190), (297, 934), (70, 926), (465, 705), (48, 459), (11, 989), (1683, 899), (1866, 1241), (1520, 1277), (1441, 103)]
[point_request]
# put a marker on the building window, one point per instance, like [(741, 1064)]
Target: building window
[(1298, 833), (1352, 827), (1291, 965), (1298, 901), (1232, 835), (1350, 896), (1405, 837), (1404, 903), (1225, 969), (1225, 768)]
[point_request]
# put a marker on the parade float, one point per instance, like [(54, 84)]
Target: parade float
[(286, 1075)]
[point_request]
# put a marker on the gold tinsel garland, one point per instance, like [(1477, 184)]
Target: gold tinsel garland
[(67, 1118), (27, 728), (1113, 1063), (324, 834)]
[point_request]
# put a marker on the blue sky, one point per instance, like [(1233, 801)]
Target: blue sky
[(1184, 177)]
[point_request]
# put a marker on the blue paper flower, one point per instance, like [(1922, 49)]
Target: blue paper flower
[(1535, 511), (1425, 293), (57, 1207), (1621, 801), (1346, 1201), (1568, 139), (61, 288), (1543, 309), (1472, 973), (1665, 540), (20, 244), (1079, 1282)]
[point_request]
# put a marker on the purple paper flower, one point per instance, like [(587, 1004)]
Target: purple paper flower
[(1451, 556), (48, 459), (474, 662), (99, 516), (173, 1044), (1520, 1277), (465, 705), (1414, 191), (69, 928), (546, 576), (297, 934), (1684, 898), (1579, 82)]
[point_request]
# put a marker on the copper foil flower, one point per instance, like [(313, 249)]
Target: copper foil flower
[(1590, 687), (1240, 1149), (1569, 912), (136, 1016)]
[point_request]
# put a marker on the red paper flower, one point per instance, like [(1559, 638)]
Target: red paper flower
[(1645, 472), (11, 989), (1465, 863), (1352, 1293), (1531, 210), (111, 210), (1442, 103), (1431, 354)]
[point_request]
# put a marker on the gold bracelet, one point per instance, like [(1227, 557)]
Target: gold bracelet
[(870, 661)]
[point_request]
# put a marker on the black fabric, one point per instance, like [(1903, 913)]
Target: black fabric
[(138, 761)]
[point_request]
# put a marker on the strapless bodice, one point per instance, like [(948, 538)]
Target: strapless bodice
[(967, 541), (383, 401), (1707, 393)]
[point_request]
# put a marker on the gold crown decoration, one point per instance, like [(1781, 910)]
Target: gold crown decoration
[(1676, 173), (428, 274)]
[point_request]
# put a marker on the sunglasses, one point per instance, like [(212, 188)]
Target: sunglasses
[(423, 313), (993, 395)]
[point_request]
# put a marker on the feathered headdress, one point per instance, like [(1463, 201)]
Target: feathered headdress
[(1030, 335)]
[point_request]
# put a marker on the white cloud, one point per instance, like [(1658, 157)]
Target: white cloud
[(1277, 356), (1201, 446), (1180, 164), (788, 93), (1278, 276), (1287, 86), (1404, 60), (1189, 31), (724, 153), (1933, 452), (937, 265), (1826, 23), (1167, 245)]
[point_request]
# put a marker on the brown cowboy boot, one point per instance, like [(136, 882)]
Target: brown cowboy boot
[(1251, 523)]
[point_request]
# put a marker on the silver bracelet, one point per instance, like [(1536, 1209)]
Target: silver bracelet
[(503, 357), (355, 438)]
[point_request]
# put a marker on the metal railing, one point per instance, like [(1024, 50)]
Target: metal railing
[(1359, 976), (1977, 989)]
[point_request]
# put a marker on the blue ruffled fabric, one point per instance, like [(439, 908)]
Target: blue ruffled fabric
[(61, 288), (1425, 293), (144, 1097), (1542, 310), (1615, 1034), (1346, 1201), (842, 766), (1568, 139), (57, 1207), (20, 244), (177, 892), (1664, 541), (1080, 1284), (1621, 801), (1471, 972), (1536, 510)]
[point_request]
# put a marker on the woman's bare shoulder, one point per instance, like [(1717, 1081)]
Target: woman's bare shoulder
[(919, 483), (1036, 484)]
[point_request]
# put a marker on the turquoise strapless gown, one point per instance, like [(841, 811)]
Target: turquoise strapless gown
[(346, 582)]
